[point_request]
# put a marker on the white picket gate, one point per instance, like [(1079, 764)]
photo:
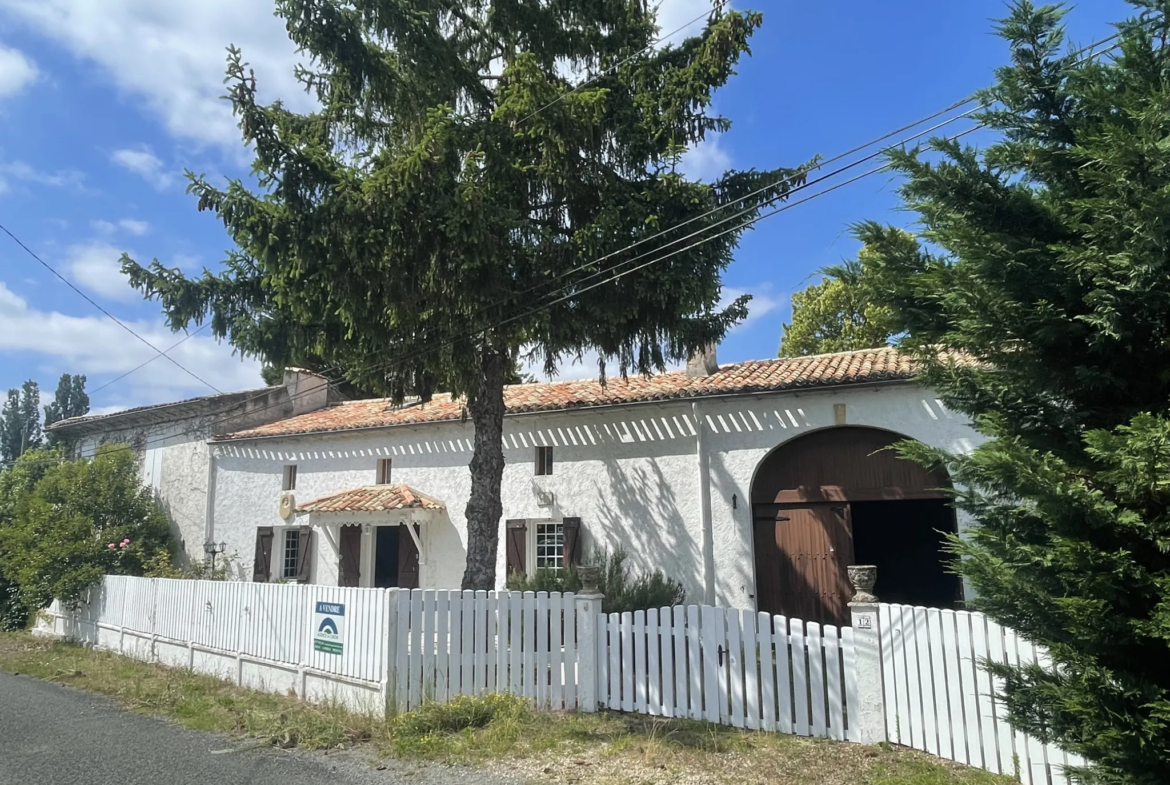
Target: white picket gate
[(938, 698), (727, 666), (469, 643)]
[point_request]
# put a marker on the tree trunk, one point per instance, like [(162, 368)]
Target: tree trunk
[(484, 508)]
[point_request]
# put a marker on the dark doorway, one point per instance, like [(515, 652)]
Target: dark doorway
[(905, 540), (386, 557)]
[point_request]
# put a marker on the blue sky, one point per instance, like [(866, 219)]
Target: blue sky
[(104, 103)]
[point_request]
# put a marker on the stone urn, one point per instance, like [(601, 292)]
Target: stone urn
[(863, 577), (588, 575)]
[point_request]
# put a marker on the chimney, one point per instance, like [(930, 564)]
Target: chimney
[(307, 391), (702, 363)]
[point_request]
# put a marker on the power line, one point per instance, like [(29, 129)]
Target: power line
[(112, 318), (140, 366)]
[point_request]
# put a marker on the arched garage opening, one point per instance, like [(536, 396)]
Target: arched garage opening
[(836, 497)]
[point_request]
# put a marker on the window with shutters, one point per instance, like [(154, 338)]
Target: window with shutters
[(292, 552), (544, 461), (383, 471), (548, 545), (289, 482)]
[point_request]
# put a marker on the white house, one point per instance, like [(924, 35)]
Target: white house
[(171, 442), (754, 484)]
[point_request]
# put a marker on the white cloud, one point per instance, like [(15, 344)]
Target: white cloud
[(129, 225), (762, 303), (673, 14), (16, 71), (171, 55), (96, 266), (11, 171), (707, 160), (145, 164), (95, 346)]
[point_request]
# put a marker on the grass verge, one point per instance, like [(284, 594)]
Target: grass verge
[(495, 731)]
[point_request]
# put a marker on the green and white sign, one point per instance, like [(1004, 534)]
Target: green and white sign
[(328, 627)]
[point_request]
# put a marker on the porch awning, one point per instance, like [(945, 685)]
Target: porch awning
[(373, 498)]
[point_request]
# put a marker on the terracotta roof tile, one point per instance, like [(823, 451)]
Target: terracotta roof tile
[(372, 498), (825, 370)]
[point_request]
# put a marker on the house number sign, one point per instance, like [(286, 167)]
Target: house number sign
[(865, 621)]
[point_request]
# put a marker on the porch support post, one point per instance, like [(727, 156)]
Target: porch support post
[(589, 607), (870, 712)]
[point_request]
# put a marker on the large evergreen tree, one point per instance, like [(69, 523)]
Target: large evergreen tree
[(1047, 273), (20, 422), (402, 234), (69, 400)]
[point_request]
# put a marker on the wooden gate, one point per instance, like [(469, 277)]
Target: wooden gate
[(801, 555)]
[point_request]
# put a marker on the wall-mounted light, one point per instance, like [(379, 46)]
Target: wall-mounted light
[(213, 549), (734, 500), (366, 528)]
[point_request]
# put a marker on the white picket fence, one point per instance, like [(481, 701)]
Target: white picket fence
[(468, 643), (907, 674), (938, 698), (728, 666)]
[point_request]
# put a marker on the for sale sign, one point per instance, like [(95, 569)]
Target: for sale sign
[(328, 627)]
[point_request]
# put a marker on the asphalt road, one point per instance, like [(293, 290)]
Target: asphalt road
[(53, 735)]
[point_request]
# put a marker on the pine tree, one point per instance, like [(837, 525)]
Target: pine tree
[(838, 314), (10, 428), (70, 400), (451, 181), (1046, 281), (20, 421)]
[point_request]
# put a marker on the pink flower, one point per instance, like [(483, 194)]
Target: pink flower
[(123, 545), (125, 542), (110, 546)]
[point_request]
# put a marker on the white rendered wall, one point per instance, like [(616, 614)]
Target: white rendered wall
[(630, 473)]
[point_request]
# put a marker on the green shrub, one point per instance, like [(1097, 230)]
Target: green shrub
[(459, 714), (623, 591)]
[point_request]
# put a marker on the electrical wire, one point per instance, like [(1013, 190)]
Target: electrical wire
[(140, 366)]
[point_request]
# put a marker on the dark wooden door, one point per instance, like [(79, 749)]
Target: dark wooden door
[(802, 551), (349, 564), (407, 558)]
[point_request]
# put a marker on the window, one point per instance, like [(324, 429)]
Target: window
[(292, 552), (289, 482), (549, 545), (544, 460), (383, 471)]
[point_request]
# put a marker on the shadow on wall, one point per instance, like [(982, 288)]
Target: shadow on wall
[(446, 552), (639, 512)]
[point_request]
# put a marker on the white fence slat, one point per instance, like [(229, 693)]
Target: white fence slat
[(654, 663), (401, 649), (785, 674), (479, 650), (429, 614), (955, 687), (615, 661), (469, 647), (767, 671), (442, 645), (627, 631), (733, 671), (1005, 744), (515, 645), (528, 628), (555, 652), (938, 680), (415, 673), (455, 665), (800, 699), (836, 717), (639, 662), (713, 636), (602, 654), (977, 692), (915, 715), (570, 642), (925, 680), (816, 679), (666, 641), (694, 664), (1053, 755), (681, 682), (889, 681), (1012, 645), (492, 642), (751, 671), (849, 668), (1037, 754), (542, 648)]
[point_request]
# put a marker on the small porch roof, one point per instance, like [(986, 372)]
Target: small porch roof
[(372, 498)]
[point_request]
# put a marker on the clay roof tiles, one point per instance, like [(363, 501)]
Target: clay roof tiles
[(372, 498), (754, 376)]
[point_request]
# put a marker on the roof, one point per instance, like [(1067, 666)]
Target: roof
[(156, 413), (755, 376), (372, 498)]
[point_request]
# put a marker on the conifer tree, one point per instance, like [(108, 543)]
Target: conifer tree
[(406, 234)]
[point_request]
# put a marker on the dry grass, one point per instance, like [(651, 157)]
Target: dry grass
[(496, 731)]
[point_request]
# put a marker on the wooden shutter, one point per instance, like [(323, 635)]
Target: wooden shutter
[(262, 562), (517, 545), (407, 558), (304, 549), (571, 528), (350, 558)]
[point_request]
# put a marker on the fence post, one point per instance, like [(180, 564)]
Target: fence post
[(870, 712), (589, 606), (389, 649)]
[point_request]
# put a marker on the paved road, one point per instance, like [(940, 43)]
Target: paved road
[(53, 735)]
